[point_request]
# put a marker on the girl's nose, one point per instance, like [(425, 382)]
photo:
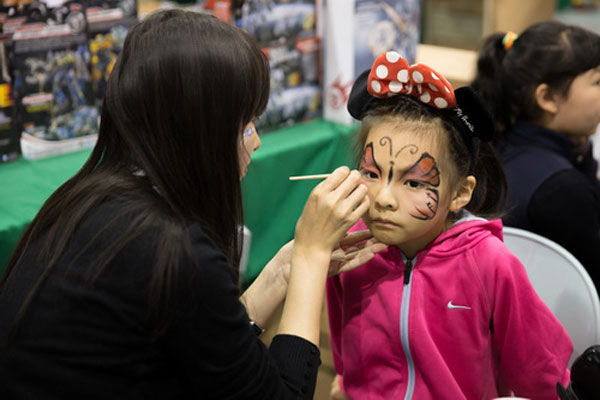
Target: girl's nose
[(385, 199)]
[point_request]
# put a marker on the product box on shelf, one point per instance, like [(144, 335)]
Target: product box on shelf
[(51, 82), (295, 91), (9, 129), (275, 21), (355, 33), (59, 56), (290, 105), (108, 24), (286, 31), (293, 63)]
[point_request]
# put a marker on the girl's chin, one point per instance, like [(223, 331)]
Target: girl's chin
[(385, 237)]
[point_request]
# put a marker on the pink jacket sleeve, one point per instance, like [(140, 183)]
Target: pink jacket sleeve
[(532, 347), (334, 311)]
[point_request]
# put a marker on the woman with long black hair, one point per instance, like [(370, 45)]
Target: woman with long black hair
[(124, 285)]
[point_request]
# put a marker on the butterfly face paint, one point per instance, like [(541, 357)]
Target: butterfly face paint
[(409, 201), (424, 177)]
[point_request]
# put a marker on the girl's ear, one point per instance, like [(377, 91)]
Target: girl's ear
[(462, 195), (546, 99)]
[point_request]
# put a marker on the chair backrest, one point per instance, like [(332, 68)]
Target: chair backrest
[(562, 283)]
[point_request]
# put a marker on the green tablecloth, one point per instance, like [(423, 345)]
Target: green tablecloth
[(272, 203)]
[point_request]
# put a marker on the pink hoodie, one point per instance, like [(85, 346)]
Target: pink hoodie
[(464, 324)]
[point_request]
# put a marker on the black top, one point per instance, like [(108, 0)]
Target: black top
[(553, 191), (78, 341)]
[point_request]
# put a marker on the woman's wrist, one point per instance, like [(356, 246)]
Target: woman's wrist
[(278, 273), (318, 255)]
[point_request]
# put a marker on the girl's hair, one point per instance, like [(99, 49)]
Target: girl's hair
[(548, 52), (469, 156), (178, 97)]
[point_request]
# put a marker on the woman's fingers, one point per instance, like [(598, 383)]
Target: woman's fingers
[(332, 208), (353, 199), (334, 180), (360, 210), (352, 238), (350, 257), (349, 185)]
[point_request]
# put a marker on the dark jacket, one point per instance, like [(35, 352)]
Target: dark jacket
[(82, 342), (553, 191)]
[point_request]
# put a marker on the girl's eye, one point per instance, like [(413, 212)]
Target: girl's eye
[(414, 184), (369, 174)]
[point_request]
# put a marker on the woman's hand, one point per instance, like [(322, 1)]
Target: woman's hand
[(331, 209), (336, 391), (354, 250)]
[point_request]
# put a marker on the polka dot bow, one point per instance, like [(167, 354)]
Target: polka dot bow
[(391, 75)]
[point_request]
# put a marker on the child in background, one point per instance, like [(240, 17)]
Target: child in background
[(544, 88), (446, 312)]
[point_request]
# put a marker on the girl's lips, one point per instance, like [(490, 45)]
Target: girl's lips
[(384, 222)]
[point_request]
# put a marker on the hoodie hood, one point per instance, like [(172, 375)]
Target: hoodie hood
[(463, 235)]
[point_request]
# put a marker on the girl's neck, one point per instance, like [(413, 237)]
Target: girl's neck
[(411, 248), (548, 122)]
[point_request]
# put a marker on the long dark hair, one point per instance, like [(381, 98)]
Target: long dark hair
[(469, 156), (180, 93), (548, 52)]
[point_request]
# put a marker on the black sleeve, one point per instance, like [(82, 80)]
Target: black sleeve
[(214, 347), (566, 209)]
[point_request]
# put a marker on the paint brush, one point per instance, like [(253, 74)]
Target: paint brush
[(304, 177)]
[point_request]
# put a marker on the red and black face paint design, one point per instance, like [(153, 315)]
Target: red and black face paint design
[(368, 163), (424, 176)]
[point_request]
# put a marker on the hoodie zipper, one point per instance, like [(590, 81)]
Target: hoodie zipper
[(404, 307)]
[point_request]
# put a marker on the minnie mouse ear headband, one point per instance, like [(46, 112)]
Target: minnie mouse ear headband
[(391, 75)]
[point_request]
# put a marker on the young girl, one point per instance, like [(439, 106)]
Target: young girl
[(446, 312), (544, 87)]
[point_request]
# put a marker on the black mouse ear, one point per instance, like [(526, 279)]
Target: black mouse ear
[(472, 115), (359, 99)]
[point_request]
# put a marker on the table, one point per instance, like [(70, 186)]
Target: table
[(272, 203)]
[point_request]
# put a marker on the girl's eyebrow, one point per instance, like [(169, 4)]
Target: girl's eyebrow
[(372, 159)]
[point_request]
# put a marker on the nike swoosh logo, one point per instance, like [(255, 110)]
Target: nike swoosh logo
[(453, 307)]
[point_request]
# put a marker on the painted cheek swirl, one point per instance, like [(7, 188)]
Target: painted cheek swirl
[(425, 200)]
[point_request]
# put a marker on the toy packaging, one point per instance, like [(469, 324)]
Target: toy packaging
[(354, 36), (52, 86), (9, 130), (275, 21), (295, 90), (59, 56), (286, 31), (108, 24)]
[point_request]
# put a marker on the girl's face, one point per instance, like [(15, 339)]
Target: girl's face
[(249, 142), (578, 113), (408, 187)]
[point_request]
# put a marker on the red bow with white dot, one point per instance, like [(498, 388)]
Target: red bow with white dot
[(391, 75)]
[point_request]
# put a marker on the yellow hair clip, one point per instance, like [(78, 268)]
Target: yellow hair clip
[(509, 39)]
